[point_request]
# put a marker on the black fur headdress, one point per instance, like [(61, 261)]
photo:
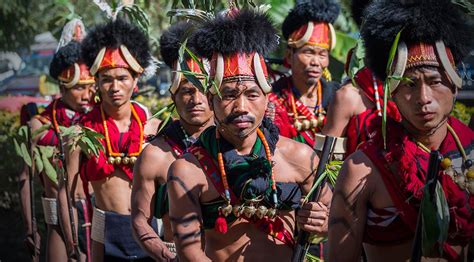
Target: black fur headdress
[(112, 35), (247, 31), (172, 39), (65, 57), (422, 21), (357, 10), (312, 10)]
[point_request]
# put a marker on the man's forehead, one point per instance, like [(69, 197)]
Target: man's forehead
[(115, 72), (239, 86), (312, 47), (426, 70)]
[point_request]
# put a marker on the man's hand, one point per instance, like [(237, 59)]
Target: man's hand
[(313, 217), (33, 245), (165, 254)]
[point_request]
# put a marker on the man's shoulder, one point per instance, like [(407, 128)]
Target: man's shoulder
[(156, 149), (348, 95), (186, 168), (293, 150)]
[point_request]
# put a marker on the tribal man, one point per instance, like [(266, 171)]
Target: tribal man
[(118, 54), (77, 88), (233, 196), (356, 110), (378, 193), (149, 194), (300, 100)]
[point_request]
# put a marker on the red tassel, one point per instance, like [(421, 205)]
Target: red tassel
[(221, 224)]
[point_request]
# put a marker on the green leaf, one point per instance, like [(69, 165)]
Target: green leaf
[(435, 220), (17, 148), (40, 130), (443, 217), (48, 168), (393, 52), (23, 132), (167, 119), (25, 154), (38, 160)]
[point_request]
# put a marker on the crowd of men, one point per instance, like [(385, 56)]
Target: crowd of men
[(229, 179)]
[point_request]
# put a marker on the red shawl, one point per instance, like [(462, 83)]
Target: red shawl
[(361, 126), (403, 168), (94, 169), (64, 116)]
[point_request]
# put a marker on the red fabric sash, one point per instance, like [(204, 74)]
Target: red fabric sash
[(361, 127), (275, 227), (403, 168), (46, 117), (174, 146), (94, 169)]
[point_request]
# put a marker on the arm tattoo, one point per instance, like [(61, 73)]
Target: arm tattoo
[(185, 188), (186, 236), (185, 221)]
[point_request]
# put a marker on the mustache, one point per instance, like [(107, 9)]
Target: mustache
[(230, 118), (312, 69)]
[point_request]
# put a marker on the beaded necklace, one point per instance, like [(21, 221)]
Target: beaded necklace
[(118, 158), (446, 163), (309, 120), (226, 209), (55, 120)]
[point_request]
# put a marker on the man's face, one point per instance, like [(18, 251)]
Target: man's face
[(80, 97), (191, 104), (307, 63), (241, 107), (426, 100), (116, 85)]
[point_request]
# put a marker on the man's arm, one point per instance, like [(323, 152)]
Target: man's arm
[(341, 109), (313, 216), (72, 167), (33, 239), (349, 209), (25, 198), (149, 168), (184, 190)]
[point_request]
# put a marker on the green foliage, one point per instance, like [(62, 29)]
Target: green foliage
[(88, 140), (435, 220), (331, 171), (462, 112)]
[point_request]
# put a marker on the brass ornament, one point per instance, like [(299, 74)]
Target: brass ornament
[(306, 124), (226, 210), (249, 211), (261, 211), (126, 160), (111, 160), (237, 210), (321, 120), (314, 123), (118, 160), (271, 213), (298, 125)]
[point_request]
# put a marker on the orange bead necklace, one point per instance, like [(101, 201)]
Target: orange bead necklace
[(220, 161), (118, 157)]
